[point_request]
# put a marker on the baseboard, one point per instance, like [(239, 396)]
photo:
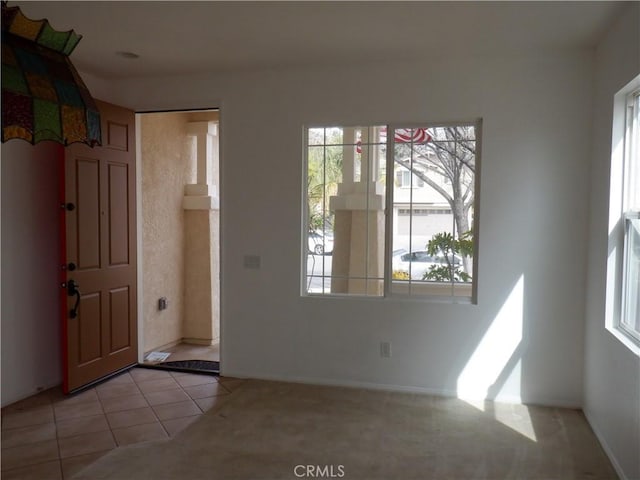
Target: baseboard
[(332, 382), (605, 446), (162, 347), (30, 393), (206, 342)]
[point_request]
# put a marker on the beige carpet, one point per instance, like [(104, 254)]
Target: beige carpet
[(266, 429)]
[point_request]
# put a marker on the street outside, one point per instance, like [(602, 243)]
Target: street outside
[(319, 266)]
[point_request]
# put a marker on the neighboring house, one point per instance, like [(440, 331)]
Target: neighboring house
[(420, 200)]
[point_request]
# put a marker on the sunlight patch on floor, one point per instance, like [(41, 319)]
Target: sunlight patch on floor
[(516, 417)]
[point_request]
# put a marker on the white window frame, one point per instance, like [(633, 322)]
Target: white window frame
[(433, 291), (625, 168), (626, 274), (631, 212)]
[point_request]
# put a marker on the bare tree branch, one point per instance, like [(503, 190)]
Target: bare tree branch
[(449, 155), (426, 179)]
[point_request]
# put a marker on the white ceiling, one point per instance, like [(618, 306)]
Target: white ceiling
[(191, 37)]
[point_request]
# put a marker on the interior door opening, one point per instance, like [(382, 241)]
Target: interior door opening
[(180, 239)]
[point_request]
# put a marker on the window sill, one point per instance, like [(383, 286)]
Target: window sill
[(628, 341), (413, 291), (447, 291)]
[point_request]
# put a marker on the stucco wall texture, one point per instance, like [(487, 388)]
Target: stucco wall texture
[(170, 266), (165, 170)]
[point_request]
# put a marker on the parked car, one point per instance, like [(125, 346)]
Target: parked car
[(398, 252), (320, 244), (419, 262)]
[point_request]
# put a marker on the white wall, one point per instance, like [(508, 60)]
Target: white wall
[(612, 370), (536, 113), (30, 257)]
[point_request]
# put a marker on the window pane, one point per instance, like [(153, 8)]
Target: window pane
[(324, 174), (334, 136), (631, 316), (371, 135), (433, 203), (345, 219), (458, 132), (316, 136), (632, 156)]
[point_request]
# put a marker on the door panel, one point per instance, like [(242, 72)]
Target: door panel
[(118, 215), (119, 309), (87, 219), (88, 340), (101, 243)]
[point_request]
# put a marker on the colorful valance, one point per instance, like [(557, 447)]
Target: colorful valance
[(43, 96)]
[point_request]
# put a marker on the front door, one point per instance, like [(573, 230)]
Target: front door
[(100, 316)]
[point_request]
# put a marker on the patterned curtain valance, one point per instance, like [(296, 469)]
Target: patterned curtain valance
[(43, 96)]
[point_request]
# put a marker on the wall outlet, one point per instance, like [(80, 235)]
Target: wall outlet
[(162, 303), (385, 349)]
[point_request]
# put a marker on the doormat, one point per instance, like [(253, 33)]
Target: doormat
[(200, 366)]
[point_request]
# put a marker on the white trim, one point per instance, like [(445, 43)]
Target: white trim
[(605, 446), (387, 283), (625, 339), (31, 392), (199, 341), (304, 233), (616, 225), (387, 387), (622, 325), (221, 231), (139, 227)]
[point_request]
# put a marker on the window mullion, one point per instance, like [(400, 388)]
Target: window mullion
[(388, 230), (367, 177)]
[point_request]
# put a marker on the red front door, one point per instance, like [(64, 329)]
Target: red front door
[(100, 300)]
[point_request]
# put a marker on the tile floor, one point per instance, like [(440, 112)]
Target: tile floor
[(50, 436), (185, 351)]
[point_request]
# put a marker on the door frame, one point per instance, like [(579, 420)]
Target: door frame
[(139, 226), (172, 108), (62, 255)]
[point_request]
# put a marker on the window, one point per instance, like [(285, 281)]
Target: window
[(623, 250), (406, 233), (345, 201), (403, 179), (630, 311)]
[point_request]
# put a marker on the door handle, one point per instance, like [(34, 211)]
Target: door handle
[(73, 289)]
